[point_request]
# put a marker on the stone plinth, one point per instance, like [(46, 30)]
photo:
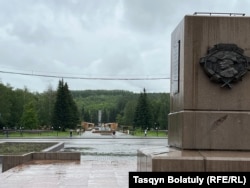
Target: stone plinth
[(167, 159), (218, 130), (204, 115)]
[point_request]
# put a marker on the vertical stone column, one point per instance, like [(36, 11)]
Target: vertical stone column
[(205, 112)]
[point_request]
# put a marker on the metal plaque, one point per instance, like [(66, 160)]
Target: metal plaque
[(225, 64), (175, 68)]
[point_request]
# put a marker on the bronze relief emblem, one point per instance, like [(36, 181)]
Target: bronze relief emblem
[(225, 64)]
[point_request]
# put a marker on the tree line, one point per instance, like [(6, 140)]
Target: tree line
[(65, 109)]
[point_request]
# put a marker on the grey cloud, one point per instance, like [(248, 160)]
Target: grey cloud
[(120, 38), (147, 16)]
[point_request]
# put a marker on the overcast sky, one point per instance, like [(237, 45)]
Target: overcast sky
[(87, 41)]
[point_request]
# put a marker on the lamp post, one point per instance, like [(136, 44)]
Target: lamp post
[(58, 130), (52, 128), (156, 129), (7, 132)]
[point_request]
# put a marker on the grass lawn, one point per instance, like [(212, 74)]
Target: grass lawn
[(66, 134), (17, 148), (153, 133), (30, 134)]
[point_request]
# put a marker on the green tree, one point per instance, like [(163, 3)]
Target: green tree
[(164, 110), (142, 116), (45, 105), (29, 118), (112, 114), (17, 108), (94, 116), (5, 105), (85, 115), (129, 112), (65, 114), (74, 116), (12, 104), (105, 116), (120, 119)]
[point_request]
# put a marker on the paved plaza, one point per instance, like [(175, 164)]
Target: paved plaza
[(105, 162)]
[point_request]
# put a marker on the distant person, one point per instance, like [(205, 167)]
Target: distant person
[(113, 133), (70, 133), (145, 132)]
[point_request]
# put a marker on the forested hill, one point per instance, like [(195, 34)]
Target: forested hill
[(119, 105), (86, 93), (101, 99)]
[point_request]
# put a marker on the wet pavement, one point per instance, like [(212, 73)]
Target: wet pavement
[(105, 162)]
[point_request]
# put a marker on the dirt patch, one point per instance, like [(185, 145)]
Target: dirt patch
[(15, 148)]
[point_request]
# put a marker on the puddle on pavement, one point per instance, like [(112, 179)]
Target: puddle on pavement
[(87, 151), (77, 148)]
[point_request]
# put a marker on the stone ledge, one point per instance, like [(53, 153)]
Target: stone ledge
[(56, 156), (165, 159), (10, 161), (55, 147)]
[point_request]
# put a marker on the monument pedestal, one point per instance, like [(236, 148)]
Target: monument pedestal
[(209, 98), (168, 159), (217, 130)]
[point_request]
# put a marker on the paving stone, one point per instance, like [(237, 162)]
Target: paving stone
[(107, 165)]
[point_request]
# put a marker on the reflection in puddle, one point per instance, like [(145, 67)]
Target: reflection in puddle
[(86, 151)]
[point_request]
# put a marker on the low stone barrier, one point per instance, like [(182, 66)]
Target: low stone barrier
[(10, 161), (57, 156), (51, 153)]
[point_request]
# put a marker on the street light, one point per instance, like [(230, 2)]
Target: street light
[(58, 130), (21, 133), (7, 132), (52, 128), (156, 129)]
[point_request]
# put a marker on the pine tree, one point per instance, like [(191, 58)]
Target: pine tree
[(65, 114), (142, 116)]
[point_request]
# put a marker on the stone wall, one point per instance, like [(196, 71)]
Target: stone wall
[(10, 161), (56, 156), (51, 153)]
